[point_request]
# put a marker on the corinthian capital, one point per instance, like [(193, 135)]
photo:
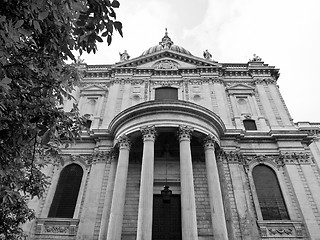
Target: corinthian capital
[(124, 142), (148, 132), (209, 141), (185, 132)]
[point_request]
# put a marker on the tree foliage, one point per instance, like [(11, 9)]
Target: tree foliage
[(36, 38)]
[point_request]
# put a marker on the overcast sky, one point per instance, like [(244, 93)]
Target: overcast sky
[(284, 33)]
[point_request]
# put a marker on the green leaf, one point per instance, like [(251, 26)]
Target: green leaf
[(118, 26), (4, 84), (19, 23), (109, 39), (43, 15), (36, 25), (104, 34), (99, 39), (115, 4), (46, 137), (2, 19)]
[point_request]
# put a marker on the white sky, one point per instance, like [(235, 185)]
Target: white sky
[(284, 33)]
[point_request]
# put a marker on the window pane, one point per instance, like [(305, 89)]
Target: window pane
[(166, 93), (249, 124), (65, 197), (269, 194)]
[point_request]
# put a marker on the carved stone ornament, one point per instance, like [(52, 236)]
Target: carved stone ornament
[(296, 158), (124, 142), (207, 55), (85, 159), (255, 58), (209, 141), (124, 56), (166, 65), (56, 229), (103, 156), (185, 132), (148, 132), (166, 42), (248, 160), (276, 229), (56, 226)]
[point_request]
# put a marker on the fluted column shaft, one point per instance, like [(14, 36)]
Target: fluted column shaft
[(119, 191), (144, 231), (215, 197), (188, 205)]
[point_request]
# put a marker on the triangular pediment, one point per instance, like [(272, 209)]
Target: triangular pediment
[(93, 88), (167, 59), (240, 88)]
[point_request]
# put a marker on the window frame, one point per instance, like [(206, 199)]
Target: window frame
[(176, 92), (279, 172), (153, 92), (56, 171), (250, 120), (275, 189)]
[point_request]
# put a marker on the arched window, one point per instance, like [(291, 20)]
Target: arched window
[(65, 197), (166, 93), (269, 194), (249, 124)]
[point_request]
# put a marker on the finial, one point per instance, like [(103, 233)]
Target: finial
[(166, 41)]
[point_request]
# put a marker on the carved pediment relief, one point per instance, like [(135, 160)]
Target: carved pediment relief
[(166, 65)]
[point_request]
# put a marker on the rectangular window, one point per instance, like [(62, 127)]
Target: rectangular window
[(166, 93)]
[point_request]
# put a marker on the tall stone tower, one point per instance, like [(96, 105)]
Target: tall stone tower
[(183, 147)]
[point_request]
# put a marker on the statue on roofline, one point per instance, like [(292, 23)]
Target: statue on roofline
[(207, 55), (124, 56), (255, 58)]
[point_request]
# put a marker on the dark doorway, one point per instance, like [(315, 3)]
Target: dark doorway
[(166, 219)]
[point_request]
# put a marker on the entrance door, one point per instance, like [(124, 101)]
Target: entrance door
[(166, 218)]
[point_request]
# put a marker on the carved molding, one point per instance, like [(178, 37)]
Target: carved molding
[(166, 83), (185, 132), (280, 229), (85, 159), (123, 142), (166, 65), (296, 158), (266, 81), (148, 132), (56, 226), (103, 156), (251, 160), (210, 141)]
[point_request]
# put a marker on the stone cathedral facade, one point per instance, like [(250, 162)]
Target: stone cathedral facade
[(183, 147)]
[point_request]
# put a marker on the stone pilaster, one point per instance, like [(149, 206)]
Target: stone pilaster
[(144, 231), (188, 205)]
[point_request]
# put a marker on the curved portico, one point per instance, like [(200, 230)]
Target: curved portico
[(167, 114), (184, 120)]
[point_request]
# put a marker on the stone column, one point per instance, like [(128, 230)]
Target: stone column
[(144, 231), (119, 190), (215, 197), (188, 205)]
